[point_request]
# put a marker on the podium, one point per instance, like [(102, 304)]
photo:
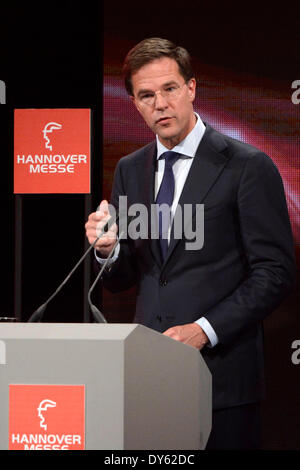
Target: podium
[(101, 386)]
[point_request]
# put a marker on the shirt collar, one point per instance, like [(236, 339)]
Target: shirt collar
[(189, 144)]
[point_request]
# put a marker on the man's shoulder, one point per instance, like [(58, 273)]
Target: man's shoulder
[(233, 145), (139, 156), (238, 153)]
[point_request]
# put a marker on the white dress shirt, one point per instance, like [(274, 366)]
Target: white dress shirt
[(187, 148)]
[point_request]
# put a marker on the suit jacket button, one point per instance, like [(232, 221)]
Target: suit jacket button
[(163, 282), (158, 318)]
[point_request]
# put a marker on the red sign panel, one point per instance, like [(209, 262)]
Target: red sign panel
[(46, 417), (52, 151)]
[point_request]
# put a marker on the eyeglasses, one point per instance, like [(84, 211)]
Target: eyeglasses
[(170, 93)]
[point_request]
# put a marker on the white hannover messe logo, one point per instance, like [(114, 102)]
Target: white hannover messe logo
[(50, 127), (43, 407)]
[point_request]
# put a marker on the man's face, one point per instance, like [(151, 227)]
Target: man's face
[(169, 116)]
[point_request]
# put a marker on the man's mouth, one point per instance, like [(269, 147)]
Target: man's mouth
[(163, 120)]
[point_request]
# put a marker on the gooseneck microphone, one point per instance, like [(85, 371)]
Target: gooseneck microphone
[(96, 312), (39, 312)]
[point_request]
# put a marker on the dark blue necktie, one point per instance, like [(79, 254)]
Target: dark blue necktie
[(165, 196)]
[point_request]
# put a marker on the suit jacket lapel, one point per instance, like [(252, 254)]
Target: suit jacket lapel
[(147, 168), (209, 162)]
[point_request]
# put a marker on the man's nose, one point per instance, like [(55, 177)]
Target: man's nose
[(160, 101)]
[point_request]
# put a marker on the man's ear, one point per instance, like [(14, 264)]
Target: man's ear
[(132, 98), (192, 88)]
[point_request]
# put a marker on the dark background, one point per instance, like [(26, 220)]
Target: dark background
[(52, 56)]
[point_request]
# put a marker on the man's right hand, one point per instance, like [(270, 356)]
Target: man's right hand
[(95, 224)]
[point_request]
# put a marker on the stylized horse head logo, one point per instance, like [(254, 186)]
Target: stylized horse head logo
[(43, 407), (50, 127)]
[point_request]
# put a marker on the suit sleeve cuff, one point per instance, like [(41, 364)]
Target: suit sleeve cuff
[(111, 260), (209, 331)]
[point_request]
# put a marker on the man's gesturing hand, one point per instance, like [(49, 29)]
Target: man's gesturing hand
[(95, 224), (191, 334)]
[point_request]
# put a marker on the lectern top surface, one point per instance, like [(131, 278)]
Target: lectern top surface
[(117, 331)]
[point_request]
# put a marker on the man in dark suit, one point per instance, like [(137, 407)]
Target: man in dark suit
[(213, 297)]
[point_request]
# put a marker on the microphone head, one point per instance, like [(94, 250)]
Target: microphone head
[(98, 317), (38, 314)]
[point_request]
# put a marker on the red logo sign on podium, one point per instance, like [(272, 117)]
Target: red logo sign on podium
[(46, 417), (51, 151)]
